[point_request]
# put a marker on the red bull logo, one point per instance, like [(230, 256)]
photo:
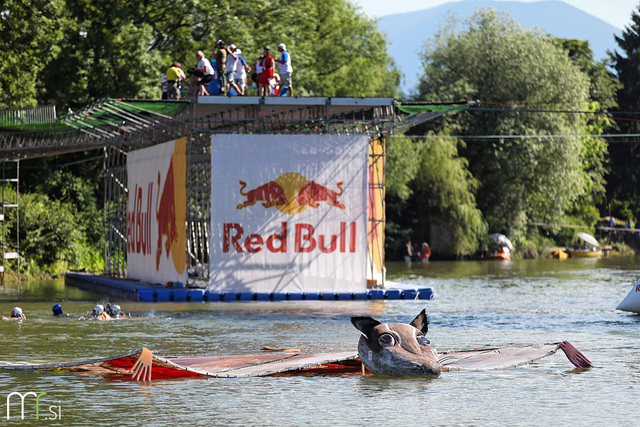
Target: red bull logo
[(171, 209), (291, 193), (305, 239)]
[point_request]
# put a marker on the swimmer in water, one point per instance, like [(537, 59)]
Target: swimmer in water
[(57, 311), (16, 314), (98, 313), (115, 311)]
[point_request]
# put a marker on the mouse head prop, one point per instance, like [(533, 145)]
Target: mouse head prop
[(397, 349)]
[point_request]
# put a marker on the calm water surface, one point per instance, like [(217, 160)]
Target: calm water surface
[(478, 305)]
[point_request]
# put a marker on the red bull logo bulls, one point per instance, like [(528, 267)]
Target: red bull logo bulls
[(291, 193), (171, 209)]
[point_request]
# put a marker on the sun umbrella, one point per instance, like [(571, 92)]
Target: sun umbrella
[(501, 239), (588, 238)]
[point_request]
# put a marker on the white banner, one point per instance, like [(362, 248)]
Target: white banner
[(289, 213), (156, 213)]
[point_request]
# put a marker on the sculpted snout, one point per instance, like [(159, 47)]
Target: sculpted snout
[(398, 362), (397, 349)]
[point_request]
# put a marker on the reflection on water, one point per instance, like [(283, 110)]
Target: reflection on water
[(479, 304)]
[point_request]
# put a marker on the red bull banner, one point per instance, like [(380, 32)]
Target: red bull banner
[(289, 213), (156, 213)]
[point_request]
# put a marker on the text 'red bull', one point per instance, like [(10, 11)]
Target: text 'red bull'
[(139, 221), (305, 239)]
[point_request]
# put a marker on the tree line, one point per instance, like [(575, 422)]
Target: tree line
[(531, 151)]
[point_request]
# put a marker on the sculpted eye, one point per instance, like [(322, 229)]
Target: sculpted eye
[(386, 340), (422, 340)]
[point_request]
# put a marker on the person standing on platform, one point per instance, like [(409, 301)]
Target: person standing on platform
[(221, 66), (232, 66), (284, 63), (204, 66), (242, 68), (174, 75), (256, 75), (268, 64)]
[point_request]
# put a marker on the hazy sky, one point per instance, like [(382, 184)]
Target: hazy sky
[(615, 12)]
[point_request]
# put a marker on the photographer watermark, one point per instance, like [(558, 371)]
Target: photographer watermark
[(18, 399)]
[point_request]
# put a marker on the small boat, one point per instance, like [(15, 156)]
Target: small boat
[(504, 253), (632, 301), (560, 254), (499, 256), (144, 365), (586, 251)]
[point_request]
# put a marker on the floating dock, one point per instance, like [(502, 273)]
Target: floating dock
[(148, 292)]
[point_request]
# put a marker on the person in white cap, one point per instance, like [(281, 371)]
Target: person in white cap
[(115, 311), (232, 64), (98, 313), (284, 63), (240, 78), (16, 314)]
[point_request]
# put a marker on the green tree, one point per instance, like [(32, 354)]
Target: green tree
[(524, 173), (104, 54), (402, 164), (52, 235), (121, 48), (623, 189), (343, 53), (30, 31), (448, 217), (602, 91), (430, 197)]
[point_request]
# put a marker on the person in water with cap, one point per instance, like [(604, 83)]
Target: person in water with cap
[(16, 314), (57, 311), (115, 311), (98, 313)]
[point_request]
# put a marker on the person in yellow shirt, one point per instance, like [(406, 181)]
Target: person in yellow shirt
[(173, 81)]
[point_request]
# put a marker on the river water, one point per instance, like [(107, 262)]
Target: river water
[(478, 305)]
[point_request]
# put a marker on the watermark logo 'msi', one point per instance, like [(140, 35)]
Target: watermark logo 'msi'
[(171, 209), (52, 414), (291, 193)]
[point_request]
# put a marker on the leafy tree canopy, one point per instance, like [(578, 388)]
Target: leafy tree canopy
[(523, 173), (623, 189), (73, 52)]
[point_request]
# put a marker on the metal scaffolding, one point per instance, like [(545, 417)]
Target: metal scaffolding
[(121, 126)]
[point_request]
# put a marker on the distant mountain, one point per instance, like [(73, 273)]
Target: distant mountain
[(408, 32)]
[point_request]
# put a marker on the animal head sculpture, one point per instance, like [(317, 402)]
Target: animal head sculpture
[(397, 349)]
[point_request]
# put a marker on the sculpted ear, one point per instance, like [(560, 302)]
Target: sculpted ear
[(421, 322), (364, 324)]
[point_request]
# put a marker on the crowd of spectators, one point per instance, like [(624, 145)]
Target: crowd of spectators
[(232, 73)]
